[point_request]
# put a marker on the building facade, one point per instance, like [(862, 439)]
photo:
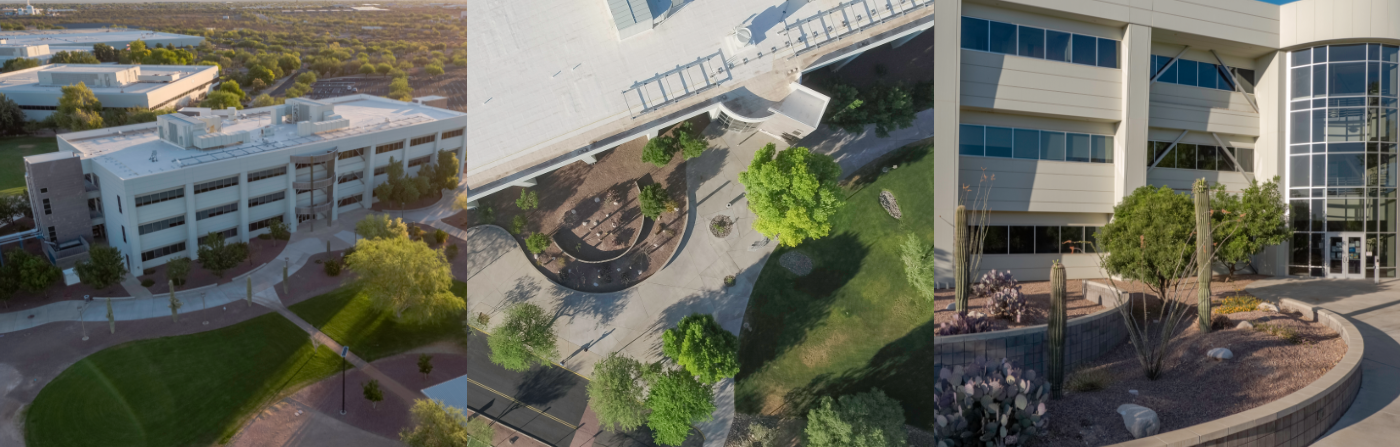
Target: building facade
[(38, 89), (154, 190)]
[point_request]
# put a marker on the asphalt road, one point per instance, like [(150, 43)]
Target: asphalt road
[(545, 402)]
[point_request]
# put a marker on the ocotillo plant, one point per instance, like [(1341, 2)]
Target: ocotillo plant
[(1055, 331), (1203, 254), (961, 276)]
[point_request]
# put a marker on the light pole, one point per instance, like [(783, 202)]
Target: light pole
[(343, 351)]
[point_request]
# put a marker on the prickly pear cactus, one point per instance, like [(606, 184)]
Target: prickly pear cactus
[(992, 404)]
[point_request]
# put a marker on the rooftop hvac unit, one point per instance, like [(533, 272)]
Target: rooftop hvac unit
[(331, 123)]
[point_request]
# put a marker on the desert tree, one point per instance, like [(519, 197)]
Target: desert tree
[(409, 278), (425, 365), (525, 338), (103, 267), (617, 393), (372, 393), (703, 348), (435, 424), (793, 194), (1255, 216)]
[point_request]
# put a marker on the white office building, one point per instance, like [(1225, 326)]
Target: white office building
[(84, 39), (38, 89), (154, 190)]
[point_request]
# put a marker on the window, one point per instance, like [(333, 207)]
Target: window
[(163, 251), (1021, 240), (1203, 157), (1034, 144), (350, 199), (215, 185), (1007, 38), (47, 208), (43, 190), (229, 233), (255, 226), (419, 161), (351, 153), (261, 200), (53, 235), (381, 170), (119, 205), (123, 234), (1001, 240), (216, 211), (267, 173), (1202, 74), (388, 147), (453, 133), (162, 224), (422, 140), (159, 197), (350, 177)]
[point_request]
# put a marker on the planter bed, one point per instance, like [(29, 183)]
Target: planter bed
[(1037, 295)]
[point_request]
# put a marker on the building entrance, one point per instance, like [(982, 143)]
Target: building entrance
[(1346, 256)]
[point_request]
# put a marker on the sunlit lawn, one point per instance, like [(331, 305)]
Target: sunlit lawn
[(348, 318), (853, 322), (12, 159)]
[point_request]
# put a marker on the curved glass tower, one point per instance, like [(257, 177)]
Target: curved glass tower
[(1341, 168)]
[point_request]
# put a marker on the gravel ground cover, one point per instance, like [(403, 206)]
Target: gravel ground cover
[(1037, 295)]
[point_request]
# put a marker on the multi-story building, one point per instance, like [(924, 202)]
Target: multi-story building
[(84, 39), (1071, 104), (154, 190), (38, 89)]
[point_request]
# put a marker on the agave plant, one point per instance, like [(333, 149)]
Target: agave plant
[(988, 404), (965, 324)]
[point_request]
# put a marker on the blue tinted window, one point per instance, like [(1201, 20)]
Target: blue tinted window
[(1302, 82), (974, 34), (1347, 79), (1389, 53), (1222, 78), (1052, 146), (1187, 72), (1319, 170), (1170, 74), (970, 140), (1343, 53), (1299, 127), (1373, 78), (1027, 143), (1388, 78), (1003, 37), (1057, 46), (1102, 149), (1031, 42), (1108, 53), (1319, 126), (1084, 50), (1080, 147), (1206, 75), (1373, 52), (999, 142), (1300, 57), (1319, 80)]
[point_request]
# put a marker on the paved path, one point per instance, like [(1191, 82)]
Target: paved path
[(1374, 418)]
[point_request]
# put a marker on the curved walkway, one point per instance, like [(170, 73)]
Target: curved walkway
[(1374, 418)]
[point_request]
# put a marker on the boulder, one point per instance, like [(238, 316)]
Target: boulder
[(952, 306), (1245, 325), (1140, 421), (891, 206), (1220, 354), (1267, 307)]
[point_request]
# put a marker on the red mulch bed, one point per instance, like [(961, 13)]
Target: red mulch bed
[(1037, 295), (391, 415), (261, 251), (422, 202), (22, 300), (573, 188)]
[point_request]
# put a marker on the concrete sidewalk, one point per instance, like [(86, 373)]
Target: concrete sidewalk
[(1374, 418)]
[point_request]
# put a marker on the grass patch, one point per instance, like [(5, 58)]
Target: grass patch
[(12, 159), (346, 315), (1237, 303), (1286, 333), (1087, 379), (853, 323), (194, 389)]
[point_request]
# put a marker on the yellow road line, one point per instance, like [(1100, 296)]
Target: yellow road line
[(512, 399)]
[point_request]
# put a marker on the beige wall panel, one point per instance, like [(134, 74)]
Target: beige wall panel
[(1202, 119), (1220, 19), (1182, 179), (1016, 99), (1214, 30), (1091, 17), (1185, 95), (1037, 66), (1034, 185)]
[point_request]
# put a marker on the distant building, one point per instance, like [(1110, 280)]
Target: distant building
[(28, 10), (37, 90), (84, 39)]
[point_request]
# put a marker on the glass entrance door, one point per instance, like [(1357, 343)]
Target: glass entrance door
[(1344, 255)]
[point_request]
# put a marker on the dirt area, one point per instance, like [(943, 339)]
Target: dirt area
[(1194, 388), (570, 191), (602, 229), (1037, 295), (1220, 286), (260, 251)]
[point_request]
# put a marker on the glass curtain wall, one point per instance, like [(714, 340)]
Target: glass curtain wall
[(1342, 155)]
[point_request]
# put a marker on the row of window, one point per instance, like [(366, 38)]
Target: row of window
[(419, 161), (255, 226), (351, 199), (1372, 213), (1200, 157), (48, 208), (159, 197), (163, 251), (453, 133), (267, 173), (162, 224), (351, 153), (1307, 255), (1341, 125), (216, 211), (1344, 79), (422, 140), (1333, 169), (229, 233), (261, 200), (1196, 74), (388, 147), (222, 183), (1346, 53), (350, 177), (1322, 103), (1039, 43), (988, 141), (1038, 239)]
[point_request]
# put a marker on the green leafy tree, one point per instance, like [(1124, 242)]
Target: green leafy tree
[(279, 230), (689, 143), (308, 78), (845, 109), (367, 69), (19, 63), (407, 277), (257, 85), (261, 72), (12, 207), (479, 432), (445, 172), (373, 394), (617, 394), (381, 226), (528, 200), (793, 195), (32, 274), (12, 117), (103, 268), (659, 151), (425, 365), (232, 86), (288, 62), (517, 224), (1150, 238), (677, 401), (894, 109), (1253, 219), (263, 100), (9, 275), (868, 419), (383, 68), (525, 338), (435, 424), (220, 99), (653, 200), (537, 243), (705, 349), (78, 108), (73, 57), (433, 70), (918, 265), (218, 256)]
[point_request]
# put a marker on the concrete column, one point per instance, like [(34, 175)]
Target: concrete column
[(128, 229), (843, 63), (369, 177), (291, 217), (947, 115), (462, 160), (1271, 149), (906, 39), (243, 207), (192, 241), (1130, 148), (335, 188), (526, 183)]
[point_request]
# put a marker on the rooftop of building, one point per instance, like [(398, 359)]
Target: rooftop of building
[(27, 80), (137, 150), (85, 37)]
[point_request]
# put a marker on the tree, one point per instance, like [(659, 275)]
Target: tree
[(220, 99), (104, 52), (367, 69), (435, 424), (793, 195), (73, 57), (617, 394), (525, 338), (78, 108), (677, 401), (690, 146), (1254, 218), (425, 365), (868, 419), (279, 230), (257, 85), (103, 268), (372, 393), (288, 62), (407, 277), (32, 274), (653, 200), (537, 243), (308, 78), (918, 265), (445, 172), (1150, 237), (19, 63), (659, 151), (261, 73), (12, 117), (216, 256), (844, 111), (231, 86), (433, 70), (705, 349), (893, 108), (12, 207), (9, 275), (175, 303), (383, 68), (479, 432), (176, 270), (263, 100), (381, 226), (528, 200)]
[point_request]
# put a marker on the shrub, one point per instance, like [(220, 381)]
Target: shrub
[(415, 232), (988, 404), (486, 213), (1088, 379), (965, 324), (1237, 303), (439, 236), (1219, 322), (517, 224), (1284, 332), (1006, 300), (537, 243), (659, 151), (528, 200), (653, 199), (868, 419), (450, 252), (147, 283), (332, 267)]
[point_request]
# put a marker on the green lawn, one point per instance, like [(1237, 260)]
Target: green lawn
[(12, 159), (853, 323), (347, 317), (193, 389)]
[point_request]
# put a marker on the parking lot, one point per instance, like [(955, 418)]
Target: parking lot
[(451, 85)]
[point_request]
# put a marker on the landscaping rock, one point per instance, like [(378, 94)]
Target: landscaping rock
[(796, 262), (1267, 307), (1140, 421), (1245, 325), (952, 306), (1220, 354), (891, 206)]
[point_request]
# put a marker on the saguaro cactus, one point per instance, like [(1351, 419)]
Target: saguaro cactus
[(961, 277), (1203, 253), (1055, 332)]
